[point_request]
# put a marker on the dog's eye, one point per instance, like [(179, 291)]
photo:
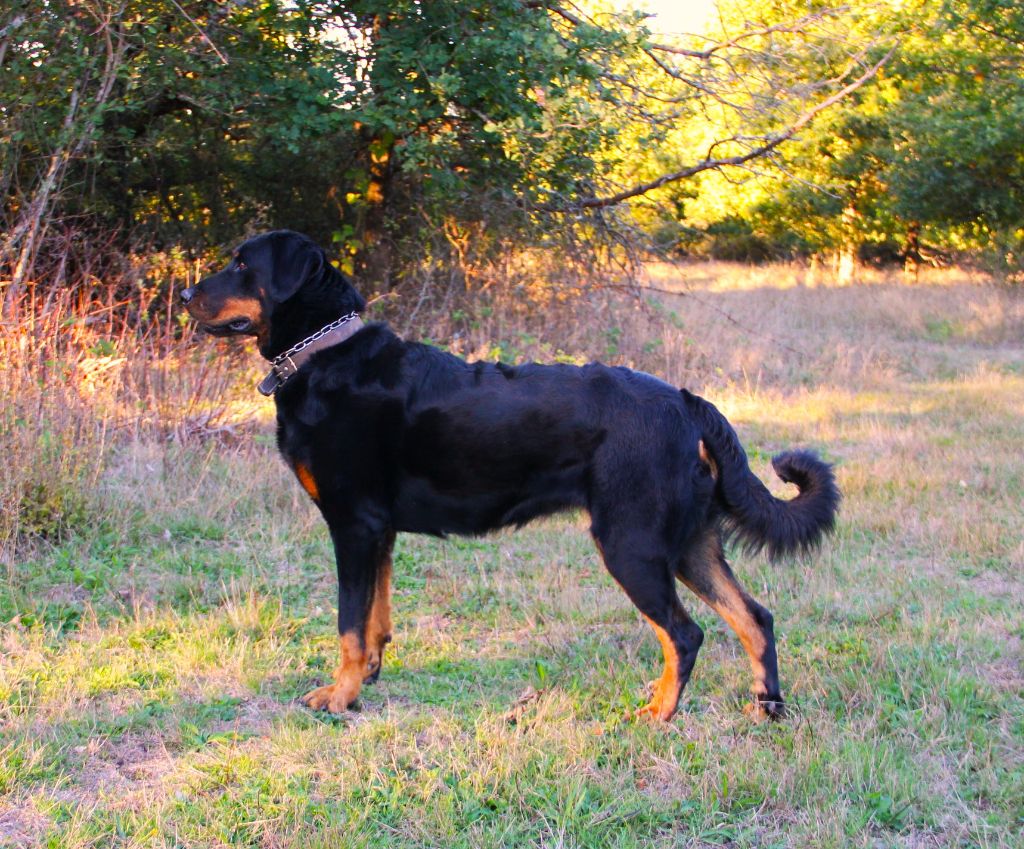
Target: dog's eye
[(240, 266)]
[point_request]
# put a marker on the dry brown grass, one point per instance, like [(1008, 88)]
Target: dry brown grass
[(787, 326), (85, 376)]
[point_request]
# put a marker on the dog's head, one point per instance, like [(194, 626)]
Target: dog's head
[(265, 273)]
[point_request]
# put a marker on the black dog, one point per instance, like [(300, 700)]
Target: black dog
[(387, 435)]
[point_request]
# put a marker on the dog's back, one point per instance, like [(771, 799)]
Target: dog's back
[(469, 447)]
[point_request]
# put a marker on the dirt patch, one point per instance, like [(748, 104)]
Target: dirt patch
[(118, 768), (995, 585), (121, 770), (916, 839), (1006, 673), (255, 718), (21, 824)]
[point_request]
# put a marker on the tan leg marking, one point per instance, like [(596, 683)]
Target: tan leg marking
[(360, 658), (348, 678), (666, 691), (733, 609), (378, 624), (729, 601)]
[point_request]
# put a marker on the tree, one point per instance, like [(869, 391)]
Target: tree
[(931, 151), (153, 115), (958, 157), (414, 134)]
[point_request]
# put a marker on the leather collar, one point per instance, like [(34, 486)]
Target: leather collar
[(286, 364)]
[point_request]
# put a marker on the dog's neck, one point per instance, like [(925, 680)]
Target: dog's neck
[(319, 301), (288, 364)]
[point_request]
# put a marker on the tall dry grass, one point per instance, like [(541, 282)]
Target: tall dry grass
[(83, 372), (791, 326), (87, 370)]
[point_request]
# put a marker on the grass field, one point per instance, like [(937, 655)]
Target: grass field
[(155, 642)]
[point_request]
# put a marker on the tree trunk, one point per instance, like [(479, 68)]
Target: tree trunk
[(374, 259), (912, 250), (25, 234), (846, 265), (76, 132)]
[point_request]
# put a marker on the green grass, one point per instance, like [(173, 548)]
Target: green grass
[(152, 656)]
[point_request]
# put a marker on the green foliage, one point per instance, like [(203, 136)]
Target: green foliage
[(173, 115), (427, 139), (190, 122), (934, 146)]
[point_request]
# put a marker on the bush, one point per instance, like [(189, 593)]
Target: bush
[(733, 240), (880, 254)]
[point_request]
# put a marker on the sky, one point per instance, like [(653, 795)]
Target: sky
[(677, 15)]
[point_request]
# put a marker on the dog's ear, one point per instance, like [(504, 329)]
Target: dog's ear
[(296, 260)]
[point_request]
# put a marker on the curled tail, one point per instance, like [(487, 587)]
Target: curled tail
[(754, 515)]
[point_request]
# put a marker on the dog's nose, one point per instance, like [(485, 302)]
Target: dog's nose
[(187, 295)]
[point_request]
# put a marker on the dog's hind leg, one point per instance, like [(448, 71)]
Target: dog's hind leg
[(364, 613), (705, 570), (648, 582)]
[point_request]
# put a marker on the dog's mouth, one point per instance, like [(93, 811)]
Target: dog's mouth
[(229, 327)]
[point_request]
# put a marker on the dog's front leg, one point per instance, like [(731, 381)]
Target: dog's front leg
[(364, 612)]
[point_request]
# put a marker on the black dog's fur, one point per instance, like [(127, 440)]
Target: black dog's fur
[(388, 435)]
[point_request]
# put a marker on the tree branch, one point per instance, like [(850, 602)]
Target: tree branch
[(709, 163)]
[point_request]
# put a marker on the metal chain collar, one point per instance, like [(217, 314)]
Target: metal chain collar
[(283, 366), (309, 340)]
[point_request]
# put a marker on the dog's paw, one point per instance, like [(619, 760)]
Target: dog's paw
[(655, 711), (763, 708), (664, 701), (661, 707), (333, 698)]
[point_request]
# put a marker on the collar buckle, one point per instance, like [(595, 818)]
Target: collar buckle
[(285, 369), (283, 366), (268, 386)]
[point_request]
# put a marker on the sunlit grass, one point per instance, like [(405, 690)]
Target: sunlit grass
[(154, 649)]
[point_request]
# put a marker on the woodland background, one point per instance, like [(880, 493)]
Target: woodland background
[(446, 146)]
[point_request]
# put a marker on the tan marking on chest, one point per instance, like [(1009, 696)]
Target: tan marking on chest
[(706, 459), (305, 477)]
